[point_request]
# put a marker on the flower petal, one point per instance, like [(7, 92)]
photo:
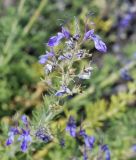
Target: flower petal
[(9, 141), (88, 34), (65, 33), (89, 141), (24, 146), (100, 45), (106, 150), (24, 119), (53, 41), (71, 126)]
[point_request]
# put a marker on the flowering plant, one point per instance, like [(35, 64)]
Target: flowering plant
[(64, 80)]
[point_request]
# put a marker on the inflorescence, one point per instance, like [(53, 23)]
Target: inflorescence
[(23, 134), (61, 61), (88, 141)]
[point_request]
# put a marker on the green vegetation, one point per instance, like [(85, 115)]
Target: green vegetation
[(108, 101)]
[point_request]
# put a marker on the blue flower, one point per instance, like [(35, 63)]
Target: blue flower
[(63, 90), (88, 34), (65, 33), (61, 58), (25, 138), (88, 140), (10, 139), (99, 44), (55, 40), (43, 59), (24, 119), (24, 135), (43, 135), (80, 54), (71, 126), (106, 150), (65, 56), (13, 131)]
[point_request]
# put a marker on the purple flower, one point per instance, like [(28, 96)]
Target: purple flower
[(55, 40), (106, 150), (60, 36), (88, 34), (88, 140), (42, 134), (71, 126), (99, 44), (10, 139), (65, 56), (63, 90), (25, 138), (24, 146), (65, 33), (43, 59), (13, 131), (24, 135), (61, 58), (80, 54), (24, 119)]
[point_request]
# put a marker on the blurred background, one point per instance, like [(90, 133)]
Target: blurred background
[(109, 102)]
